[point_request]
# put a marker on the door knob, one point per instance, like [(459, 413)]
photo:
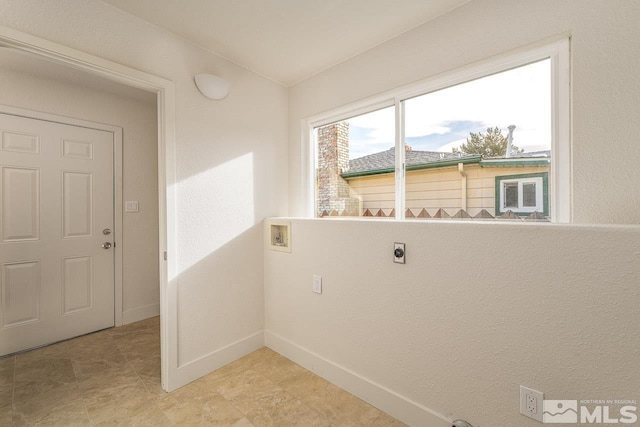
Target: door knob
[(106, 245)]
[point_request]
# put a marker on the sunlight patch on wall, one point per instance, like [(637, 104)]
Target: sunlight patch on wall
[(214, 207)]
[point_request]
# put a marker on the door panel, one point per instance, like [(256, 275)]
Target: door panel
[(20, 293), (20, 204), (77, 203), (20, 142), (56, 197), (77, 283)]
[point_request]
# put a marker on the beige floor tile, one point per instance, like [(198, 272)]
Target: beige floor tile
[(243, 423), (6, 395), (290, 412), (119, 396), (194, 404), (151, 323), (348, 410), (114, 383), (305, 383), (246, 387), (62, 405), (385, 420), (332, 402), (42, 377), (267, 397), (139, 345), (54, 351), (6, 414), (44, 369), (6, 387), (220, 376), (129, 412), (112, 378), (7, 366), (91, 345), (275, 367), (149, 371), (87, 368)]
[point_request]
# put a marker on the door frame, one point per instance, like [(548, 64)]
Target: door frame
[(117, 187), (165, 92)]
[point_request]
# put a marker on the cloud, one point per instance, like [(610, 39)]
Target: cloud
[(438, 120)]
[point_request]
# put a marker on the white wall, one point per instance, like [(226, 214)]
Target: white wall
[(457, 329), (226, 180), (478, 310), (137, 117)]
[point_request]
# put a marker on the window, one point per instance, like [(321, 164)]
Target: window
[(487, 142), (522, 194), (353, 148)]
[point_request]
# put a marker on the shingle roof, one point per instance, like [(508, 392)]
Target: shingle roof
[(385, 160)]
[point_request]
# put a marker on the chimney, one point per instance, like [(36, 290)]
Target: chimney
[(510, 140), (333, 159)]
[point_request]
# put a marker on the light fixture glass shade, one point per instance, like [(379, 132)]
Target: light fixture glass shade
[(213, 87)]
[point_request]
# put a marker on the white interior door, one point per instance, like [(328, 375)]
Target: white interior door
[(56, 262)]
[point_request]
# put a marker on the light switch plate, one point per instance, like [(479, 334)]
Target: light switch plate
[(131, 206), (317, 284)]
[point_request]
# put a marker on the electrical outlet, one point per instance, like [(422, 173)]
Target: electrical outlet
[(399, 253), (317, 284), (531, 403)]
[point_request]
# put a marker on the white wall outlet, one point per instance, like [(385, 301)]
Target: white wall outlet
[(317, 284), (531, 403), (399, 253)]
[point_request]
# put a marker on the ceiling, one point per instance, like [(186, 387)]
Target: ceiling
[(287, 40)]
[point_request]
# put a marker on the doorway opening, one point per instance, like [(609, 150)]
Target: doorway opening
[(162, 91)]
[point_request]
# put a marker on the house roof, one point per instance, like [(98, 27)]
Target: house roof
[(539, 154), (384, 161)]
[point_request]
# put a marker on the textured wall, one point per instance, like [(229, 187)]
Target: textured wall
[(231, 162), (478, 310)]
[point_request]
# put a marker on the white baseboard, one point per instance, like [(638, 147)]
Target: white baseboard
[(140, 313), (200, 367), (377, 395)]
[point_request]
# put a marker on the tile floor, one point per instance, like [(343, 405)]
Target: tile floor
[(112, 378)]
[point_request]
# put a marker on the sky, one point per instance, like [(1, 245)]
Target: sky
[(442, 120)]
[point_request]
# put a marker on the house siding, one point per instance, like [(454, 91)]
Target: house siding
[(434, 189)]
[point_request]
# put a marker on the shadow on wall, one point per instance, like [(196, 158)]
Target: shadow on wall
[(220, 265), (222, 296)]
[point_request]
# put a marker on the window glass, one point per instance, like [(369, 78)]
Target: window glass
[(511, 195), (355, 166), (458, 139), (479, 147), (529, 195)]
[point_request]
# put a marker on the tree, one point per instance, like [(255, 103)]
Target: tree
[(490, 144)]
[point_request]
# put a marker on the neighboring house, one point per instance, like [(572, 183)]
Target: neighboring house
[(438, 184)]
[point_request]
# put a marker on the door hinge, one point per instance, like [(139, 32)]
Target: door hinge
[(165, 255)]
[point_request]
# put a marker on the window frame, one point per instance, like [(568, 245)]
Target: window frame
[(542, 193), (557, 51)]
